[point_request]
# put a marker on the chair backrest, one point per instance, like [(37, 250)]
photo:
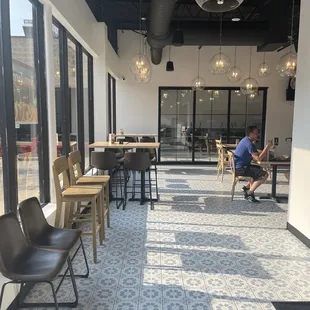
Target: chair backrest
[(75, 169), (12, 242), (232, 162), (103, 160), (139, 161), (33, 220), (60, 168), (152, 152), (127, 139)]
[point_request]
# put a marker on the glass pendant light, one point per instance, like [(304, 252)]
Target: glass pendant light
[(288, 62), (249, 85), (293, 82), (140, 65), (220, 63), (198, 83), (235, 73), (263, 68), (253, 96)]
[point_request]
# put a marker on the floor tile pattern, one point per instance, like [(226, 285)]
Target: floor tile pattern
[(197, 250)]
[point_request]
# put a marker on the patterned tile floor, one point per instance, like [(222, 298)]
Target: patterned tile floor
[(196, 251)]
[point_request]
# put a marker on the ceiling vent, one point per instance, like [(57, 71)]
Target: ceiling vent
[(219, 6)]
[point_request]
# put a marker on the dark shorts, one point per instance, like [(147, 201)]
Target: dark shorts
[(252, 171)]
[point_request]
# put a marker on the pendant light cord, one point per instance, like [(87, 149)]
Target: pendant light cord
[(198, 59), (250, 61), (264, 57), (235, 58), (140, 25), (169, 51), (221, 30)]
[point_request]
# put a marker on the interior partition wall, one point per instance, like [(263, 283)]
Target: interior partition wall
[(23, 117), (190, 121), (73, 67)]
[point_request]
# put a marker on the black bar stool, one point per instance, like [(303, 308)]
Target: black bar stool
[(107, 161), (138, 162), (154, 161)]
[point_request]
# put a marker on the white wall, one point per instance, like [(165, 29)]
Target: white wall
[(137, 104), (299, 205)]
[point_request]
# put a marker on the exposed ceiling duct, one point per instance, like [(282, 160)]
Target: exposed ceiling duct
[(159, 27), (219, 6)]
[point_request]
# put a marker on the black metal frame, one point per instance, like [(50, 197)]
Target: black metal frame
[(7, 113), (229, 89), (56, 304), (111, 104), (64, 36)]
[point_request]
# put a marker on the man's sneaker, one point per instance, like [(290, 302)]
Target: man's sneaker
[(251, 198), (245, 189)]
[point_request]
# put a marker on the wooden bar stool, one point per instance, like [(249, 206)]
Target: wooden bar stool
[(76, 194), (77, 178)]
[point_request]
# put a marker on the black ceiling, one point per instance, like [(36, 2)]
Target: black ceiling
[(124, 14)]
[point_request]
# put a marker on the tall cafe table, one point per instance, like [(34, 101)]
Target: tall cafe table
[(129, 145), (275, 164)]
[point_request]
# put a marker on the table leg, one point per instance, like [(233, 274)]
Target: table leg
[(143, 198), (274, 182)]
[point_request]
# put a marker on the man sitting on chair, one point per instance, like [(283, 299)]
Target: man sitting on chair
[(245, 153)]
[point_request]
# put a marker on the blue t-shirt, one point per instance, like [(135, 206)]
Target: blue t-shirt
[(243, 152)]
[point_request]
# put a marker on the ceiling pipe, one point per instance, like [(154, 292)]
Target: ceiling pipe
[(161, 12)]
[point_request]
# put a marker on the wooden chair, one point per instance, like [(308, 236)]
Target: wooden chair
[(223, 159), (235, 178), (76, 194), (77, 178)]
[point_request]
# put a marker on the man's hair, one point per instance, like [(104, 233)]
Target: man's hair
[(250, 129)]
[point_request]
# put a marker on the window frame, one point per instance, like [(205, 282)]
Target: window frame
[(229, 89), (64, 35), (7, 117)]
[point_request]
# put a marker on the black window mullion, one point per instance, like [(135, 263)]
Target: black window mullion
[(114, 104), (228, 116), (7, 117), (42, 128), (109, 104), (64, 90), (91, 114), (80, 102), (194, 125)]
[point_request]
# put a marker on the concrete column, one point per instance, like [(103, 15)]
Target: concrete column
[(50, 86), (299, 203), (101, 85)]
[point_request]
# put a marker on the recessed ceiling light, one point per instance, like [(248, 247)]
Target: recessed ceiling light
[(143, 18), (235, 19)]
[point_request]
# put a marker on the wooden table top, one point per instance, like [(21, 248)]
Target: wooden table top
[(28, 143), (274, 163), (125, 145), (137, 135)]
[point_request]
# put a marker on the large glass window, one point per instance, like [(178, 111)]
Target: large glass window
[(190, 122), (28, 109), (74, 104), (111, 104)]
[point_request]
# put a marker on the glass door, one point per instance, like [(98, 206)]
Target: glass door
[(176, 125)]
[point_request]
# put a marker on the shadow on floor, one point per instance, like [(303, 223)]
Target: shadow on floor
[(291, 305)]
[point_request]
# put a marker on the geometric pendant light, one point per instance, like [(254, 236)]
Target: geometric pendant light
[(220, 63), (235, 73), (287, 64), (198, 83), (249, 85), (263, 68)]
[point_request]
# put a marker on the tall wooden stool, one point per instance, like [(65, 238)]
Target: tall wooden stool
[(77, 178), (69, 195)]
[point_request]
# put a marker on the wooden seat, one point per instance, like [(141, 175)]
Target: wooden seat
[(77, 178), (223, 159), (77, 194), (235, 178)]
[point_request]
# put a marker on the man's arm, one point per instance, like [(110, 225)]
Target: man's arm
[(260, 156)]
